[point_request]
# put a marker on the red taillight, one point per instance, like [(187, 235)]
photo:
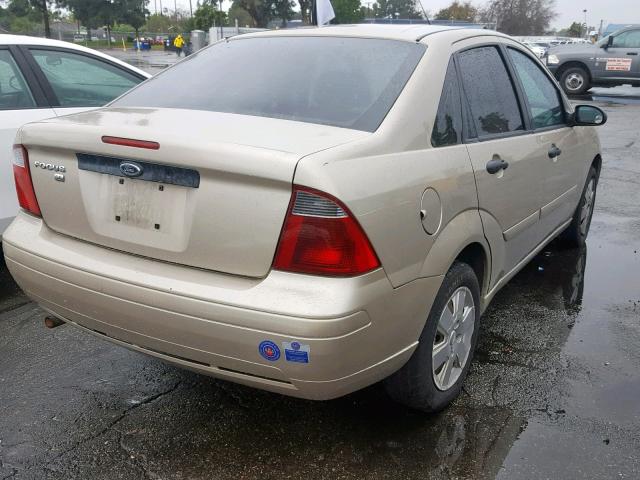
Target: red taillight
[(321, 237), (131, 142), (24, 185)]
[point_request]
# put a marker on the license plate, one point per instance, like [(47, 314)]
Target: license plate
[(145, 205)]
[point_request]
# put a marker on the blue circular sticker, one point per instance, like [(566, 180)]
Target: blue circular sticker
[(295, 345), (269, 350)]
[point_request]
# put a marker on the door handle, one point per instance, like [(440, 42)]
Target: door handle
[(495, 165), (632, 53), (554, 151)]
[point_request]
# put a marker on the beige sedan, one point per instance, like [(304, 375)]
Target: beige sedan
[(307, 211)]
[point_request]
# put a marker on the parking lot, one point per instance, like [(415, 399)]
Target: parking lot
[(553, 391)]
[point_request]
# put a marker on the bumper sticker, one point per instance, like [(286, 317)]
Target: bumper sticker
[(269, 350), (295, 352)]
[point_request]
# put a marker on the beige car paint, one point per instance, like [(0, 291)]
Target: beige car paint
[(147, 295)]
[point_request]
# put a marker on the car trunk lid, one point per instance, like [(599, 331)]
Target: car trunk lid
[(213, 195)]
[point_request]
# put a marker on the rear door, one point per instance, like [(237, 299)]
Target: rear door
[(21, 101), (504, 155), (562, 160), (75, 81)]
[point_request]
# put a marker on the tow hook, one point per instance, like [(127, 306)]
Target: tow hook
[(52, 322)]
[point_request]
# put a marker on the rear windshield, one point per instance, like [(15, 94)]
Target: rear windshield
[(343, 82)]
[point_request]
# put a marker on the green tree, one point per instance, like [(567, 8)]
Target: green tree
[(520, 17), (458, 11), (396, 9), (207, 14), (305, 11), (347, 11), (157, 23), (133, 12), (282, 9), (575, 30), (85, 12), (261, 11), (241, 15), (42, 7)]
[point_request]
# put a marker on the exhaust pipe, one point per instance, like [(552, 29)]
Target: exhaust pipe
[(52, 322)]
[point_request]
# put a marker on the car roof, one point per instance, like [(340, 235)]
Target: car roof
[(6, 39), (410, 32)]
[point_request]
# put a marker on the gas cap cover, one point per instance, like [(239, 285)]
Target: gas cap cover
[(431, 211)]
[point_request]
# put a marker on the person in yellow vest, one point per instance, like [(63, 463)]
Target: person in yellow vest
[(178, 43)]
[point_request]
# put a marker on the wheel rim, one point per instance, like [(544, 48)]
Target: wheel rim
[(452, 342), (587, 206), (574, 82)]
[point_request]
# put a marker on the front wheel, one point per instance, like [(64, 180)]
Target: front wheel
[(575, 81), (433, 376)]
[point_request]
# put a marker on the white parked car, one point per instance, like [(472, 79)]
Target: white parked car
[(536, 49), (42, 78)]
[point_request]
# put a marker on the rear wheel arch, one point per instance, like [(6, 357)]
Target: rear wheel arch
[(463, 237), (477, 257)]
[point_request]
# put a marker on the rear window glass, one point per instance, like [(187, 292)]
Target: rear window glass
[(343, 82)]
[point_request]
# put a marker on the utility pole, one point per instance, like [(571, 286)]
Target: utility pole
[(600, 30), (586, 25), (191, 8)]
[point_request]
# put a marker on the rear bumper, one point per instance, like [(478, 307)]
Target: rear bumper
[(358, 330)]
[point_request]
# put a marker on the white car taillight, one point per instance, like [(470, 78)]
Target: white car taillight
[(24, 185)]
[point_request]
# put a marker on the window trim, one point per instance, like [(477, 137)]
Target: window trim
[(44, 82), (451, 63), (39, 99), (623, 33), (524, 113), (525, 100)]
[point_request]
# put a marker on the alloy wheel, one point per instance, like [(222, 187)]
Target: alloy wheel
[(452, 342)]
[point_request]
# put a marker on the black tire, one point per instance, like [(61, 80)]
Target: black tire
[(575, 236), (414, 385), (575, 80)]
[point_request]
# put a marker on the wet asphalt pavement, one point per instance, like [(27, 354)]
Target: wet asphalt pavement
[(554, 390)]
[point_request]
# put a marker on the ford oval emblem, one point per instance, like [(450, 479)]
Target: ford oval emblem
[(130, 169)]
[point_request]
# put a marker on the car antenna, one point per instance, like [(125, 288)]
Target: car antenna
[(424, 12)]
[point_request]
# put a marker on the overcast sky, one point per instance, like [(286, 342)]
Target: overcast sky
[(611, 11)]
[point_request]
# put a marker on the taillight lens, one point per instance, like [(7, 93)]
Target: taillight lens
[(24, 186), (321, 237)]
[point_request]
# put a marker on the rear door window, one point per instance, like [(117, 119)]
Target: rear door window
[(542, 96), (82, 80), (489, 92), (14, 92), (447, 127)]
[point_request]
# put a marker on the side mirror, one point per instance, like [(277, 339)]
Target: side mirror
[(588, 115), (609, 43)]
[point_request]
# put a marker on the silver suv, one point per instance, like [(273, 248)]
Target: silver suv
[(341, 210)]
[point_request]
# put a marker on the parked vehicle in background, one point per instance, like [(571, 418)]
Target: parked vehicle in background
[(78, 38), (536, 49), (613, 61), (41, 78), (315, 235)]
